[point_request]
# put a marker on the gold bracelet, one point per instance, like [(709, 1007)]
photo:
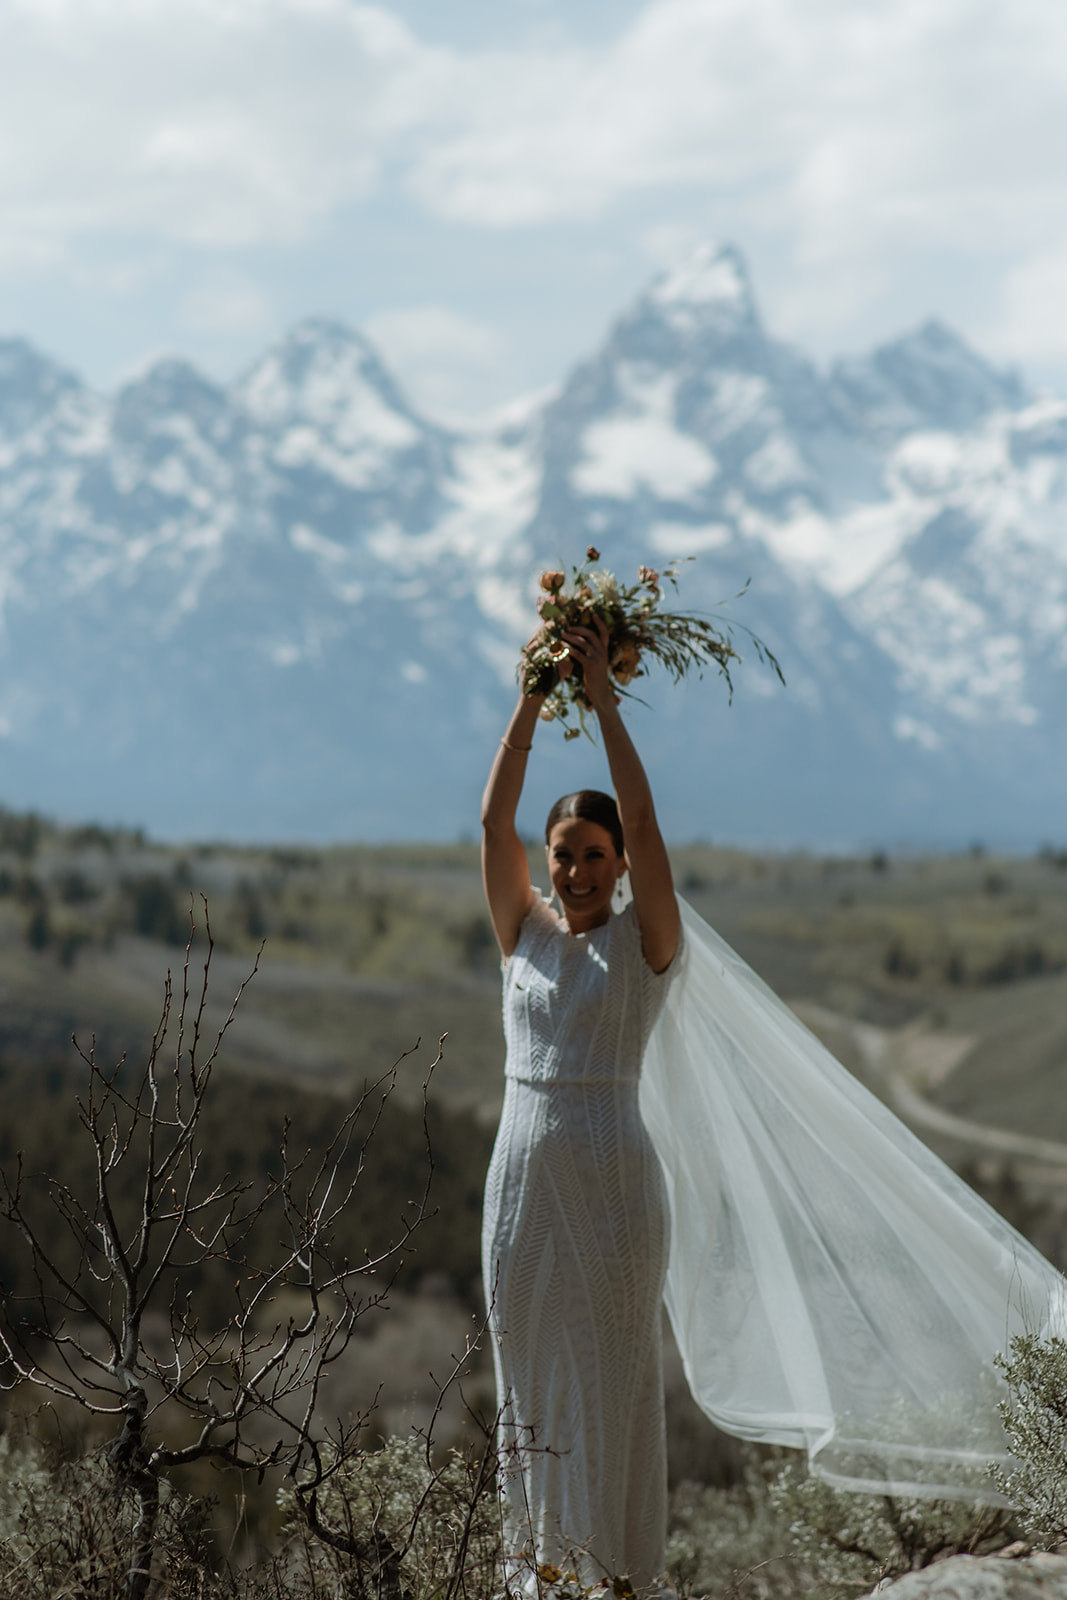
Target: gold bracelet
[(520, 749)]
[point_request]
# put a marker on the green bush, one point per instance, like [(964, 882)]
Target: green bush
[(432, 1529), (156, 910), (21, 834), (782, 1534), (900, 961), (853, 1541), (64, 1529), (736, 1540), (1035, 1420), (1020, 961), (39, 928)]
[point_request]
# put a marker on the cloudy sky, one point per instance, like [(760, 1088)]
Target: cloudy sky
[(481, 184)]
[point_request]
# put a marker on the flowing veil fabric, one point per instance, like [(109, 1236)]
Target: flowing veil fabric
[(832, 1284)]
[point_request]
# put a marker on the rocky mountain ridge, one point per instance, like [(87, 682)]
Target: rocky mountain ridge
[(290, 607)]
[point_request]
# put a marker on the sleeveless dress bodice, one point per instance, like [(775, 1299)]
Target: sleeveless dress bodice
[(575, 1237), (578, 1008)]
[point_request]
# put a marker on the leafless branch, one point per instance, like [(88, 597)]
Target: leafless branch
[(251, 1391)]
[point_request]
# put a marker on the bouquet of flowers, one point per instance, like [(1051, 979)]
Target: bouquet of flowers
[(638, 628)]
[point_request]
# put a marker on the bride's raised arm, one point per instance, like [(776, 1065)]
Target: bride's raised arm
[(650, 869), (505, 869)]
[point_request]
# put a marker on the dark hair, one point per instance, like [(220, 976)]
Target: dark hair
[(589, 805)]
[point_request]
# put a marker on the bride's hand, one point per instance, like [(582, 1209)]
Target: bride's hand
[(589, 648)]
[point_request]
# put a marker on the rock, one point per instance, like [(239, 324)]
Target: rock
[(1035, 1577)]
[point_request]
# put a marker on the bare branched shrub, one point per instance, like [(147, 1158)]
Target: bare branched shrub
[(111, 1324)]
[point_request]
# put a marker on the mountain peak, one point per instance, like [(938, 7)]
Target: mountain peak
[(170, 387), (928, 378), (707, 289), (709, 275), (31, 386), (325, 373), (698, 314), (935, 357), (321, 334)]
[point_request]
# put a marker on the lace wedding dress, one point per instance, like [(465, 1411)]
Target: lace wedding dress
[(575, 1251)]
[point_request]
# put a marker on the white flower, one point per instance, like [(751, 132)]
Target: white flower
[(604, 583)]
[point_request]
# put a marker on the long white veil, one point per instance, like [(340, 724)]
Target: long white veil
[(832, 1284)]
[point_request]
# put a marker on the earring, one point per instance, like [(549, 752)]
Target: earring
[(620, 890)]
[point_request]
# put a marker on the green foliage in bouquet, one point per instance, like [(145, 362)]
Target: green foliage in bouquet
[(638, 628)]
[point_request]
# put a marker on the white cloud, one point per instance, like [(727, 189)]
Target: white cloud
[(893, 110), (855, 143), (221, 124), (231, 120), (447, 362), (1033, 315), (664, 243), (866, 147), (225, 305)]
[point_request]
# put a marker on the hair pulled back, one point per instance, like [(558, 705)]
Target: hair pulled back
[(589, 805)]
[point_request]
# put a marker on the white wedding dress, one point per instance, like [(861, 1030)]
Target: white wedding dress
[(832, 1285), (574, 1248)]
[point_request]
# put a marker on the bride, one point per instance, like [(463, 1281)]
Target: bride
[(575, 1225), (831, 1284)]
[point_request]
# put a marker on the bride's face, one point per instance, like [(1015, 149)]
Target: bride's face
[(584, 870)]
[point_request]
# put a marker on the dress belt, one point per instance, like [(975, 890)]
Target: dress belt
[(574, 1083)]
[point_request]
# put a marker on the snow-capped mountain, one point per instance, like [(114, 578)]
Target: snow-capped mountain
[(291, 607)]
